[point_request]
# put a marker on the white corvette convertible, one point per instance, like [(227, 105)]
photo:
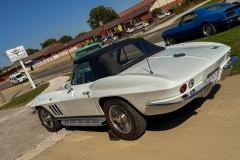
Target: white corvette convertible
[(123, 83)]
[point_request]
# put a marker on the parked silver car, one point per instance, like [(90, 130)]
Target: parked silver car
[(236, 2), (124, 82)]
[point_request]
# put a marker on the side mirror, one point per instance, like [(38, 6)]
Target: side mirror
[(67, 85)]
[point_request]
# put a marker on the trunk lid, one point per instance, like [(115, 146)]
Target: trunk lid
[(182, 62)]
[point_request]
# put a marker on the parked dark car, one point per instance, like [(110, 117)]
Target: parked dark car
[(236, 2), (203, 21), (171, 9), (151, 20), (120, 34), (2, 79)]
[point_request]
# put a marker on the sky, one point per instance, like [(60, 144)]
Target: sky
[(31, 22)]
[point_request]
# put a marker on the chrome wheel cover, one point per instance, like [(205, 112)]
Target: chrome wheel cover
[(46, 118), (119, 119), (170, 40), (207, 30)]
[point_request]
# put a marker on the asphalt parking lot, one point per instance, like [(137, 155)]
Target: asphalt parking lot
[(16, 90), (204, 129)]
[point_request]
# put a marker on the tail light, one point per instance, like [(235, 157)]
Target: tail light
[(183, 88), (230, 13), (223, 0), (184, 96)]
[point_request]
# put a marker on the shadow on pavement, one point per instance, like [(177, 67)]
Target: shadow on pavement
[(88, 129), (163, 122), (16, 95)]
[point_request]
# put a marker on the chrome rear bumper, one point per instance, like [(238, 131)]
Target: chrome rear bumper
[(228, 67), (154, 108)]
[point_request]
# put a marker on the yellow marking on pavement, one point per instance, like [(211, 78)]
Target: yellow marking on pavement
[(14, 87), (25, 84)]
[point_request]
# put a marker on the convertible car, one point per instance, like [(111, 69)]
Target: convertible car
[(203, 21), (121, 84)]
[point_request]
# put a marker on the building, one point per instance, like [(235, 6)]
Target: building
[(127, 18)]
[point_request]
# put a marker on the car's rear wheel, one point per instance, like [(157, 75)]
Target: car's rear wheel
[(48, 121), (125, 121), (170, 40), (208, 29)]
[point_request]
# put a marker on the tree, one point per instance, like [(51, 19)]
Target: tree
[(65, 39), (80, 34), (103, 14), (31, 51), (48, 42), (156, 11)]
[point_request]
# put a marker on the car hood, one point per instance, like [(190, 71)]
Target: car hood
[(193, 59)]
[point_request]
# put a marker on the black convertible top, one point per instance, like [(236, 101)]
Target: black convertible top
[(102, 65)]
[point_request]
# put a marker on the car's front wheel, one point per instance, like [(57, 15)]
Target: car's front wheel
[(208, 30), (48, 121), (170, 40), (125, 121)]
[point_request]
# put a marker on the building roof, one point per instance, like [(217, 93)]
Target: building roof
[(137, 6), (35, 55), (130, 14)]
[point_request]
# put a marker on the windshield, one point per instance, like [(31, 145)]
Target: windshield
[(19, 75), (87, 50), (82, 74)]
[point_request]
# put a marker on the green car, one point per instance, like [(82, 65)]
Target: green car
[(79, 53)]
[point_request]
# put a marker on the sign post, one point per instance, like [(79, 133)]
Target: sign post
[(28, 76), (16, 54), (120, 28)]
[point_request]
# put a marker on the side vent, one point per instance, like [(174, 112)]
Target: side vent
[(55, 110)]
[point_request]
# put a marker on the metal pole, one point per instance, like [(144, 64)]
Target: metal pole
[(167, 4), (68, 51), (3, 99), (82, 40), (105, 33), (135, 16), (29, 78), (158, 4)]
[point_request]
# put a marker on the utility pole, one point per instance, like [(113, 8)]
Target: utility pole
[(68, 52)]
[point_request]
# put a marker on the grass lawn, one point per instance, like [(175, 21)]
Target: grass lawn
[(25, 98), (229, 37)]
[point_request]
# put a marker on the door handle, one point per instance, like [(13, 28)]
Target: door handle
[(86, 93)]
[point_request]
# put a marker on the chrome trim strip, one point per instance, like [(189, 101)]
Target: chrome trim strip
[(189, 97), (94, 121)]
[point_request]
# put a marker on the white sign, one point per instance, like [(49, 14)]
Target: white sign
[(16, 54)]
